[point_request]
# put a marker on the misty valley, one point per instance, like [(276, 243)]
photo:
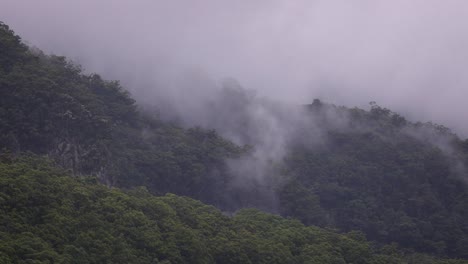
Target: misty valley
[(88, 174)]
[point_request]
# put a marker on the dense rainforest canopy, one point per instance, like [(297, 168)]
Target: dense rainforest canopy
[(69, 139), (49, 217)]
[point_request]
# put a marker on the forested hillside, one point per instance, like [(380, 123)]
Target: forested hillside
[(47, 216), (396, 181), (92, 126), (63, 133)]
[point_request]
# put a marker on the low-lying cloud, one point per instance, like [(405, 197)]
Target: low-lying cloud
[(410, 56)]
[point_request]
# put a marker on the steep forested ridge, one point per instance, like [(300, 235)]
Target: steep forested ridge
[(92, 126), (400, 183), (387, 177)]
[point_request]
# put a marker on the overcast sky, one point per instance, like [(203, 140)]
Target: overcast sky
[(408, 55)]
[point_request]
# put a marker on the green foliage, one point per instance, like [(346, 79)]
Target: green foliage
[(386, 177), (46, 216), (11, 47), (92, 126), (374, 176)]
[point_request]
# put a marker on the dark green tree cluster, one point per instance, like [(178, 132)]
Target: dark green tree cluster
[(46, 216), (92, 126), (377, 176)]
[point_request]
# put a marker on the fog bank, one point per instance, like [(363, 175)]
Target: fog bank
[(410, 56)]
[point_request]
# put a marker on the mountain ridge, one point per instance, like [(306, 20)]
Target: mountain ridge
[(350, 169)]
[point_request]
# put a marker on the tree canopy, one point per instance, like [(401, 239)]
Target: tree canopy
[(81, 164)]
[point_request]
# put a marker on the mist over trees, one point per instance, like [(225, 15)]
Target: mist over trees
[(391, 189), (409, 56)]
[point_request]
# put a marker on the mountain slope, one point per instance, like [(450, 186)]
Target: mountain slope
[(395, 180), (398, 182), (92, 126), (47, 216)]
